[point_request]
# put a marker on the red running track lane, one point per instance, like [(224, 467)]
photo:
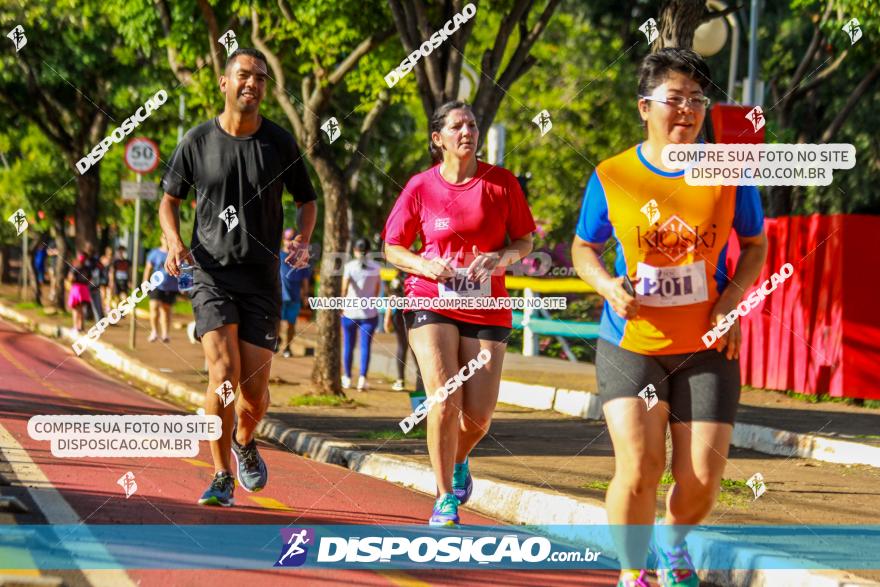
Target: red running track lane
[(43, 377)]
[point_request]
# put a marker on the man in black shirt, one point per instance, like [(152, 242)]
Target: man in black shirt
[(238, 165)]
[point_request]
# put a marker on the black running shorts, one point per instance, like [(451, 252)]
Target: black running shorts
[(700, 386), (418, 318), (247, 295)]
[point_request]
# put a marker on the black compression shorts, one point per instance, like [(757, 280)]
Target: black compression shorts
[(701, 386)]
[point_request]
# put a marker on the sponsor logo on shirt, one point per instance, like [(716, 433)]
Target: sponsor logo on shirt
[(675, 238), (441, 224)]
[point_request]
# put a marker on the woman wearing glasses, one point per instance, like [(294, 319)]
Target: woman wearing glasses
[(652, 366)]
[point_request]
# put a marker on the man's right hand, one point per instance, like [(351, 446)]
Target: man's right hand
[(178, 253)]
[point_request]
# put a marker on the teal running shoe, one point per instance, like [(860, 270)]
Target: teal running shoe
[(462, 482), (633, 578), (675, 567), (445, 511), (220, 491)]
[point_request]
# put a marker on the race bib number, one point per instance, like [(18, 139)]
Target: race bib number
[(121, 275), (671, 286), (462, 287)]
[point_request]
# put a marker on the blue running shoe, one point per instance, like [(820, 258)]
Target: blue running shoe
[(220, 491), (462, 482), (445, 511), (252, 472), (675, 567)]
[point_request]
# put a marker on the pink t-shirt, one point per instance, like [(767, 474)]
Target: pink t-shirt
[(450, 219)]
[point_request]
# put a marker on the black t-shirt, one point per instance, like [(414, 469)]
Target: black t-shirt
[(247, 173)]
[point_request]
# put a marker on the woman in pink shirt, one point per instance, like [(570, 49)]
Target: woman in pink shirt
[(472, 221)]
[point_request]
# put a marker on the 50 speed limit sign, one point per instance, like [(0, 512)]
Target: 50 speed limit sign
[(141, 155)]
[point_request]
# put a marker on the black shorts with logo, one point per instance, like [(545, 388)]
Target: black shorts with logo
[(247, 295), (417, 318)]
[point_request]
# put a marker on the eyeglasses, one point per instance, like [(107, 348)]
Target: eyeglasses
[(679, 102)]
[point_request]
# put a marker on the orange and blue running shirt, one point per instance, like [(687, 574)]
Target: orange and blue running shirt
[(673, 237)]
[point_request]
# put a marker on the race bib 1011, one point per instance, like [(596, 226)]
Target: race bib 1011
[(672, 286), (462, 287)]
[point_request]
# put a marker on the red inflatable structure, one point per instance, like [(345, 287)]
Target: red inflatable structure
[(819, 332)]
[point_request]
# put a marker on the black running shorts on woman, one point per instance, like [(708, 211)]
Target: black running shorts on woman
[(701, 386)]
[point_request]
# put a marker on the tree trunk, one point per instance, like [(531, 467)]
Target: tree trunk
[(678, 20), (60, 265), (88, 188), (326, 374)]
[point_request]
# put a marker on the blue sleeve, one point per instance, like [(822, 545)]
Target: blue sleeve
[(748, 217), (593, 225)]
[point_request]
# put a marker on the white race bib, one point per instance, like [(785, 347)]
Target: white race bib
[(462, 287), (672, 286)]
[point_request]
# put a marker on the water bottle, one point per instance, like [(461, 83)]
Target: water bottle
[(185, 279)]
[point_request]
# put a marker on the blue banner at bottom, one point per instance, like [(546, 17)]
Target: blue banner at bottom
[(82, 546)]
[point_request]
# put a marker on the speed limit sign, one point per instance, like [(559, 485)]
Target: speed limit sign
[(141, 155)]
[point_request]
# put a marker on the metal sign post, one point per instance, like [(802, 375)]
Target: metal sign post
[(141, 156)]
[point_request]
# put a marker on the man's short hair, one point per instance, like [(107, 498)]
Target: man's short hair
[(245, 51)]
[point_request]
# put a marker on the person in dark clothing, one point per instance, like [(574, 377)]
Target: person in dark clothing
[(237, 165)]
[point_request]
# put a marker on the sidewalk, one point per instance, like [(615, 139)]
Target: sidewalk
[(536, 466)]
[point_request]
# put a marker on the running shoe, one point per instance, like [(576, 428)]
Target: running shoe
[(675, 567), (286, 354), (252, 472), (220, 491), (362, 384), (153, 337), (398, 385), (462, 482), (445, 511), (346, 382), (165, 339), (633, 578)]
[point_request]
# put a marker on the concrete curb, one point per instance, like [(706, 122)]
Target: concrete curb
[(514, 503)]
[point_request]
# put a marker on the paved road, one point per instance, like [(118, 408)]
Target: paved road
[(38, 376)]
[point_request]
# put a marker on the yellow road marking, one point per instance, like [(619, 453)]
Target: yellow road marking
[(198, 463), (402, 579), (268, 502)]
